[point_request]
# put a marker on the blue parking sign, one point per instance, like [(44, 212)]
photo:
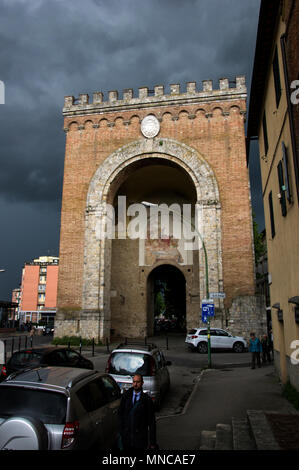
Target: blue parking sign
[(207, 310)]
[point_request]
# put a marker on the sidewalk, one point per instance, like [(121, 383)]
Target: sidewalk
[(218, 396)]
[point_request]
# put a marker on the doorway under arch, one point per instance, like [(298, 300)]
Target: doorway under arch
[(166, 300)]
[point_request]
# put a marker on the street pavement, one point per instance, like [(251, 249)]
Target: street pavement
[(219, 395), (200, 398)]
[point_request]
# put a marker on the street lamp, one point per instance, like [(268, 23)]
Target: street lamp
[(149, 204)]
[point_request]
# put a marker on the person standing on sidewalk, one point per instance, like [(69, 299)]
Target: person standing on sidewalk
[(137, 418), (255, 348)]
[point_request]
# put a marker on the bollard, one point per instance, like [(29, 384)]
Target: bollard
[(12, 345), (80, 345), (31, 341), (107, 345), (19, 343), (167, 342), (25, 342), (92, 347)]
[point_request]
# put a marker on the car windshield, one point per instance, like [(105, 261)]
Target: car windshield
[(48, 407), (127, 363)]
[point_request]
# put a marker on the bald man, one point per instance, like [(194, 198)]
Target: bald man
[(137, 418)]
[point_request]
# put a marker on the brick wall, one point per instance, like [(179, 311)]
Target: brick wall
[(212, 126)]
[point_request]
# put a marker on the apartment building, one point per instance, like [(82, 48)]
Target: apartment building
[(39, 289), (274, 120)]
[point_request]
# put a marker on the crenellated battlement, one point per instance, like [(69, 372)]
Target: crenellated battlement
[(157, 96)]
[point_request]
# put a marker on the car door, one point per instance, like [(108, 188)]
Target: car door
[(225, 340), (214, 339), (113, 394), (94, 401)]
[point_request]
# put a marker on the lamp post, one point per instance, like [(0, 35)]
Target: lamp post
[(149, 204)]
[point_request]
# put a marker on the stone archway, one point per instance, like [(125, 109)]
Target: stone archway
[(97, 253)]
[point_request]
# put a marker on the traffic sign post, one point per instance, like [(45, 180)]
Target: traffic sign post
[(208, 311)]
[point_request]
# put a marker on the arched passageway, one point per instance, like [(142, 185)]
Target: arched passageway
[(166, 300)]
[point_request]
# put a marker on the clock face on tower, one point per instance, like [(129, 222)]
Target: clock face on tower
[(150, 126)]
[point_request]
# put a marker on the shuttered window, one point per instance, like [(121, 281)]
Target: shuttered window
[(286, 172), (265, 132), (271, 215), (283, 203), (276, 73)]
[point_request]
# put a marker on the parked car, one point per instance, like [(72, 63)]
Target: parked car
[(197, 339), (53, 356), (52, 408), (134, 358)]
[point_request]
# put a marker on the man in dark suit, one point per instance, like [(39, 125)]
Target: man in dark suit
[(137, 418)]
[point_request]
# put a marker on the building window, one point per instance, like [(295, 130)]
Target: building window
[(286, 172), (282, 198), (276, 74), (271, 215), (265, 132)]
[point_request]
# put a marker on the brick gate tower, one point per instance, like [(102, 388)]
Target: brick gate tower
[(181, 149)]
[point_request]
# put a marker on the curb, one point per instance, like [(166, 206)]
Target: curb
[(183, 412)]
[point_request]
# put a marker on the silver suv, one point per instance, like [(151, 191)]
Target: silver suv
[(58, 408), (134, 358)]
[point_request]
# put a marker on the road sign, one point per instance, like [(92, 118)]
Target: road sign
[(217, 295), (207, 308)]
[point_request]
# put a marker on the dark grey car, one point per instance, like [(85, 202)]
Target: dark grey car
[(59, 408)]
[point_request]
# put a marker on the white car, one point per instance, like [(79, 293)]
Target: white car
[(197, 339)]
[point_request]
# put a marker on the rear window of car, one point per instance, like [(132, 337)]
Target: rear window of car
[(48, 407), (25, 358), (127, 363), (192, 332)]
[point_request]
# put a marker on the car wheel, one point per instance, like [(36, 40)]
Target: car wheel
[(238, 347), (202, 348), (21, 433)]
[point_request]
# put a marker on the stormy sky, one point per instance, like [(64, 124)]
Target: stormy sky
[(53, 48)]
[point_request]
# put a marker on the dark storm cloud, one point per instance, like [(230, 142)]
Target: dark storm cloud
[(53, 48)]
